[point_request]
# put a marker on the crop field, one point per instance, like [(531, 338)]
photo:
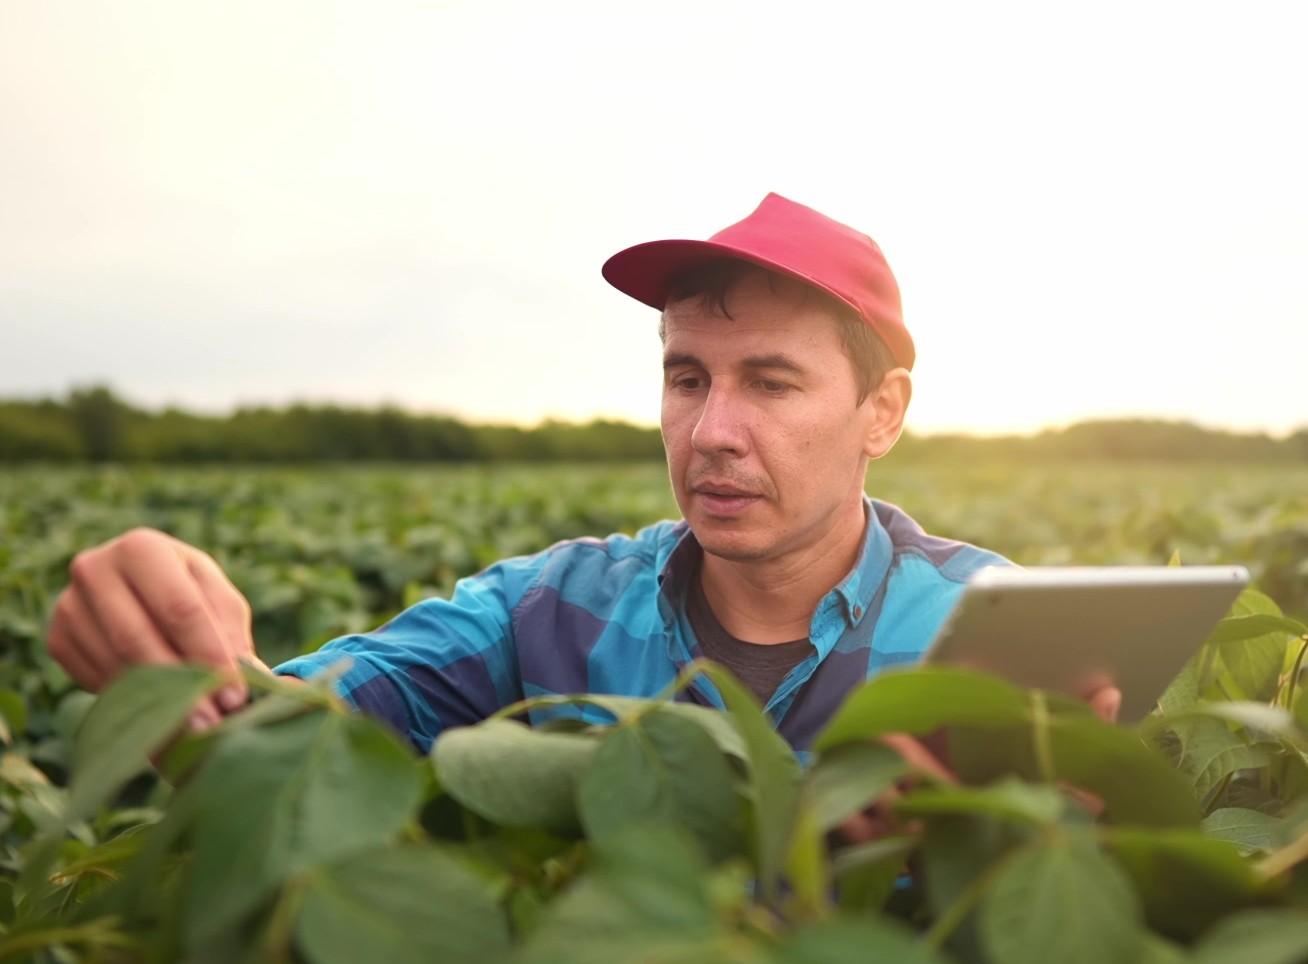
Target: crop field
[(321, 551), (514, 844)]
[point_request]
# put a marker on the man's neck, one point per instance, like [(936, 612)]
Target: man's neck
[(773, 601)]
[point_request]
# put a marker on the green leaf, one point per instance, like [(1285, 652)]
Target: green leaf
[(1301, 707), (713, 721), (407, 904), (644, 898), (663, 768), (13, 715), (1256, 937), (1252, 716), (1213, 752), (1135, 784), (1009, 799), (104, 856), (1185, 879), (847, 941), (979, 756), (1158, 950), (808, 869), (865, 874), (1252, 641), (511, 774), (1063, 901), (273, 802), (132, 718), (1252, 831), (921, 700), (774, 777), (1183, 691), (848, 778), (1237, 628), (957, 851), (1255, 664), (1252, 602)]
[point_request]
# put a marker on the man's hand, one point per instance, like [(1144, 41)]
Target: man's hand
[(879, 820), (144, 598)]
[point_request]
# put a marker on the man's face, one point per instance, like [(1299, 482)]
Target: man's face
[(766, 447)]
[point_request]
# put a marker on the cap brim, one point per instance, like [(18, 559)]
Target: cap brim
[(645, 270)]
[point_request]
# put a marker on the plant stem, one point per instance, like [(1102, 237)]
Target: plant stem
[(1293, 682), (1044, 754), (1279, 861), (88, 934), (1205, 666), (949, 921), (280, 934), (1215, 794)]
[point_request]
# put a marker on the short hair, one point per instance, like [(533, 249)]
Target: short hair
[(711, 281)]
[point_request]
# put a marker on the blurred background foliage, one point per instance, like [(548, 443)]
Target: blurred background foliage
[(93, 424)]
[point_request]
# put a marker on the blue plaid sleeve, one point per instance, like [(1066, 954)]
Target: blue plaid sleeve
[(438, 664)]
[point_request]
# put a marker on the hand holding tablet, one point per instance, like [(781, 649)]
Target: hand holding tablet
[(1076, 628)]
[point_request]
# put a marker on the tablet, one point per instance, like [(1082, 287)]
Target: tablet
[(1070, 628)]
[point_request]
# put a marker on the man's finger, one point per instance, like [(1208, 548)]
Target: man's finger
[(1106, 702), (122, 632), (71, 627), (918, 756), (166, 591), (108, 630), (225, 600), (231, 610)]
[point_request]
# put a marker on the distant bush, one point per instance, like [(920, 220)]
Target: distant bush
[(93, 424)]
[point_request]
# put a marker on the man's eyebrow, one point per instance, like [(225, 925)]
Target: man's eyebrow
[(677, 359), (777, 362), (782, 362)]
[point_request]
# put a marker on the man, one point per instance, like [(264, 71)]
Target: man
[(786, 369)]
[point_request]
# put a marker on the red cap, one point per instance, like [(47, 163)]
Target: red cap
[(789, 238)]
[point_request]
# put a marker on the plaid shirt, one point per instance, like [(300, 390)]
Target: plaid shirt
[(607, 616)]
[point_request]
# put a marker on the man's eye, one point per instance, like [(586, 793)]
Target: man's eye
[(687, 383), (773, 387)]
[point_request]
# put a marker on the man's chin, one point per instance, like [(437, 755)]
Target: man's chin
[(732, 547)]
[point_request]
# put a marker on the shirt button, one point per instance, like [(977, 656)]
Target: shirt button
[(858, 612)]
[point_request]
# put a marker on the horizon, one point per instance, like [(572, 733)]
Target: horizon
[(1093, 213), (225, 413)]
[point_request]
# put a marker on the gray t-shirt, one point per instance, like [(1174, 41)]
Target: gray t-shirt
[(760, 666)]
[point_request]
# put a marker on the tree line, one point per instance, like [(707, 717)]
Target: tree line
[(95, 425)]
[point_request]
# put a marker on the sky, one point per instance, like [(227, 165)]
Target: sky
[(1094, 210)]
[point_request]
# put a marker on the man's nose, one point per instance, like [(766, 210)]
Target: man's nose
[(722, 424)]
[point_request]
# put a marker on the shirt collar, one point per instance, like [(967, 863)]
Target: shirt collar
[(841, 608), (858, 589), (675, 573)]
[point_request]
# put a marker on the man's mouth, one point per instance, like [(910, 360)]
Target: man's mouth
[(723, 498), (723, 490)]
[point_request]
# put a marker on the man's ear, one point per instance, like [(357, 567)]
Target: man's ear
[(889, 405)]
